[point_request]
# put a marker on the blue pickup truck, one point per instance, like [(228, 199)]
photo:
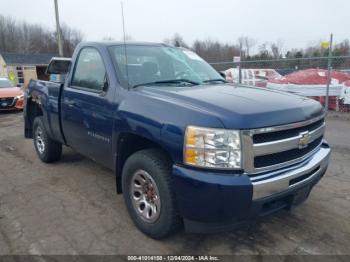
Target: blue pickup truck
[(186, 147)]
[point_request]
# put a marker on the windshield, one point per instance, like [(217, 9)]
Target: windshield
[(159, 64), (4, 83)]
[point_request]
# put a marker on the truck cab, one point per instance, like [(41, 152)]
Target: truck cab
[(186, 147)]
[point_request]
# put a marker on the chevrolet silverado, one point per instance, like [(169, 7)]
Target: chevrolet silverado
[(186, 147)]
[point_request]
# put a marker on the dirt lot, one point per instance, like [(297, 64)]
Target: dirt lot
[(70, 207)]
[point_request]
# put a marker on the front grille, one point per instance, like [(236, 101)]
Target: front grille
[(271, 148), (281, 157), (6, 102), (279, 135)]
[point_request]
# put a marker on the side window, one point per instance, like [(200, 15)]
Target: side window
[(90, 71)]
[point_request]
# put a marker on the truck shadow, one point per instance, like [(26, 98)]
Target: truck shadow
[(10, 112), (256, 237), (70, 156)]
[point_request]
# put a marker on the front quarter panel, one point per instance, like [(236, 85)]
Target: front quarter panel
[(160, 120)]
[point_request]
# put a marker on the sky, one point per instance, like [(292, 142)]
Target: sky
[(297, 23)]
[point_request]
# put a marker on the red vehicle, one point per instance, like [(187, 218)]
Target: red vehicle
[(11, 98)]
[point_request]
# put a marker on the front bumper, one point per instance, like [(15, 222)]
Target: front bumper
[(211, 201), (17, 104)]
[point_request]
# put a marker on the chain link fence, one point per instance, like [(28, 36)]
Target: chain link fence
[(325, 79)]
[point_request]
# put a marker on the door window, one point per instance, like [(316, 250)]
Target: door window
[(90, 72)]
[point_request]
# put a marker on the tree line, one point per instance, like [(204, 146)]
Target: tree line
[(216, 52), (25, 38)]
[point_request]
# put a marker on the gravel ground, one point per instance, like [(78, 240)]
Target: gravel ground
[(71, 207)]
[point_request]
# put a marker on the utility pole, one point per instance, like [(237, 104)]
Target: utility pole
[(240, 63), (58, 30), (329, 72)]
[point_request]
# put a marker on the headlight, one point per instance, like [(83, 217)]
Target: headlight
[(212, 148), (19, 97)]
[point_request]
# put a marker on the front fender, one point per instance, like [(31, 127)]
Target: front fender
[(160, 120)]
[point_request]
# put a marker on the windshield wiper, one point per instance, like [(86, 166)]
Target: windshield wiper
[(215, 80), (176, 81)]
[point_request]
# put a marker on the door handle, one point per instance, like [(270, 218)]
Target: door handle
[(70, 103)]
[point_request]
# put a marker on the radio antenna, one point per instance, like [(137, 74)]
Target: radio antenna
[(125, 52)]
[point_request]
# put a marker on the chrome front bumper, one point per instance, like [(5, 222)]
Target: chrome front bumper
[(270, 183)]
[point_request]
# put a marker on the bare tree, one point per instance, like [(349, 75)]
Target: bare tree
[(214, 51), (108, 38), (176, 40), (127, 38), (22, 37), (247, 44), (276, 49), (71, 38), (264, 52)]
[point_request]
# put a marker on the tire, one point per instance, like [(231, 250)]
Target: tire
[(163, 219), (47, 149)]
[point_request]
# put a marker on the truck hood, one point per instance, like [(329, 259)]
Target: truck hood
[(10, 92), (240, 107)]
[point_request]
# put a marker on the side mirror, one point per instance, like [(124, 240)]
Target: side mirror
[(58, 66)]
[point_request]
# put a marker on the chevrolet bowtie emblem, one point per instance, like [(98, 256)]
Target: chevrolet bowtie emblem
[(304, 140)]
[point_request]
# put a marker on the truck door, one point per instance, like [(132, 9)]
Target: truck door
[(86, 110)]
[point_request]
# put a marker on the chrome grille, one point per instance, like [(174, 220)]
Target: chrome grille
[(276, 147), (285, 156), (283, 134)]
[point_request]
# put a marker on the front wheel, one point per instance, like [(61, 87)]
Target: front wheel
[(148, 195), (47, 149)]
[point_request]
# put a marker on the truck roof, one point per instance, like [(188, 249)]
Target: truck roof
[(111, 43)]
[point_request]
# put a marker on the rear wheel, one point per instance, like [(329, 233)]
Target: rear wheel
[(47, 149), (148, 195)]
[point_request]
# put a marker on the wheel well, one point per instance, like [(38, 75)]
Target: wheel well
[(127, 145), (33, 110)]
